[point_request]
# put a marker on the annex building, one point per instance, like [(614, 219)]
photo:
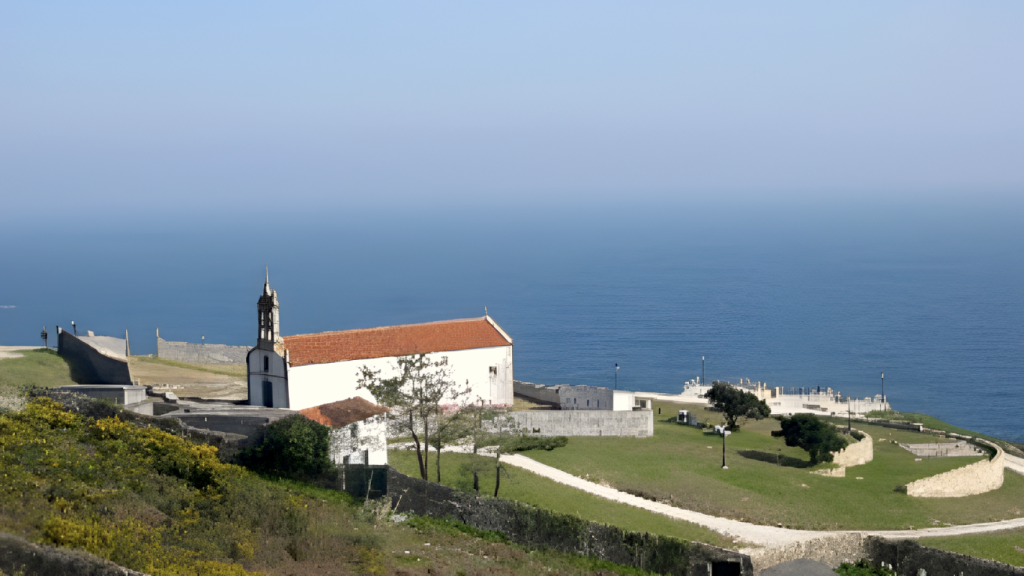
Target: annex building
[(307, 370)]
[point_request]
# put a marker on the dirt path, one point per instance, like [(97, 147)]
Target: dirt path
[(12, 351), (756, 534), (188, 383)]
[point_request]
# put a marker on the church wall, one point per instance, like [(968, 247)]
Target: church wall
[(316, 384)]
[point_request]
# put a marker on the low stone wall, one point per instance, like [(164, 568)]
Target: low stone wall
[(856, 453), (976, 478), (538, 528), (906, 556), (19, 556), (909, 557), (638, 423), (831, 550), (91, 365), (194, 353)]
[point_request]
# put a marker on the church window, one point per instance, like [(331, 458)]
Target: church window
[(266, 363)]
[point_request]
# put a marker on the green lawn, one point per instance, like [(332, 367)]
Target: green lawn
[(683, 465), (35, 368), (532, 489), (1006, 547)]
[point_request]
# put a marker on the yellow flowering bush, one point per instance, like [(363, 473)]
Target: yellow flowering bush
[(138, 496)]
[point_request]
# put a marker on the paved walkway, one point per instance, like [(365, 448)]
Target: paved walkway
[(756, 534)]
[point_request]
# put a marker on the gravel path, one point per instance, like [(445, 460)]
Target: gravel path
[(12, 351), (756, 534)]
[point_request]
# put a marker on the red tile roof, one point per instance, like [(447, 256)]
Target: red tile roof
[(343, 412), (446, 336)]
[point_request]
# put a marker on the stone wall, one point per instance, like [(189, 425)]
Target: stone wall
[(19, 556), (906, 556), (638, 423), (585, 398), (831, 550), (856, 453), (976, 478), (193, 353), (909, 558), (536, 392), (537, 528), (91, 365)]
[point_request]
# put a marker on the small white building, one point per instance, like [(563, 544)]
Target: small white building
[(307, 370), (358, 430)]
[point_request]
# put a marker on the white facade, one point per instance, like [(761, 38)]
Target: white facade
[(363, 442), (623, 400), (487, 370), (268, 372)]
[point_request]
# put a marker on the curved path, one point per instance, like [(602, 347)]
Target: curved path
[(756, 534)]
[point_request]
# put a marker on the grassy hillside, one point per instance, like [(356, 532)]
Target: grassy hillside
[(681, 464), (532, 489), (35, 368), (1006, 547), (156, 503)]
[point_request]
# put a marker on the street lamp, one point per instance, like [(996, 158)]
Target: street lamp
[(721, 430), (703, 382), (74, 329), (43, 335), (616, 376), (883, 391)]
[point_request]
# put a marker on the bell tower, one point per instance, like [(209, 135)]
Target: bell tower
[(269, 320)]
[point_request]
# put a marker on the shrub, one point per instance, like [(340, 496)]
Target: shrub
[(817, 437), (863, 568), (141, 497), (293, 447), (523, 443)]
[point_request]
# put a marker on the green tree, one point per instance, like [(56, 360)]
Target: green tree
[(293, 447), (736, 403), (423, 398), (817, 437)]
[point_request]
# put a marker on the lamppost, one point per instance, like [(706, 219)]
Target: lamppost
[(849, 416), (883, 390), (43, 335), (703, 382), (74, 329), (616, 376), (721, 430)]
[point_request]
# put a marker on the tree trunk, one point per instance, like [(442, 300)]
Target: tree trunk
[(476, 483), (426, 447), (437, 462), (419, 454), (497, 474)]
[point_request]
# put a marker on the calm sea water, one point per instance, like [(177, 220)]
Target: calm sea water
[(791, 295)]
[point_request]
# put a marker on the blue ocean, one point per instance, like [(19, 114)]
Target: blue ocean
[(795, 295)]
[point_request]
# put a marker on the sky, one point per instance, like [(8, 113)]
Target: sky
[(127, 108)]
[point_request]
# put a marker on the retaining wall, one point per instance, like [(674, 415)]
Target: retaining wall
[(91, 365), (536, 392), (194, 353), (538, 528), (976, 478), (906, 556), (857, 453), (19, 556), (638, 423)]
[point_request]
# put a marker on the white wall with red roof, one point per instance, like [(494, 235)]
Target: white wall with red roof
[(488, 372)]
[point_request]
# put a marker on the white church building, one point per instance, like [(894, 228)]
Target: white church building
[(306, 370)]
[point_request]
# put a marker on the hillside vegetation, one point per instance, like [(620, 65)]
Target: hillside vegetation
[(153, 502)]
